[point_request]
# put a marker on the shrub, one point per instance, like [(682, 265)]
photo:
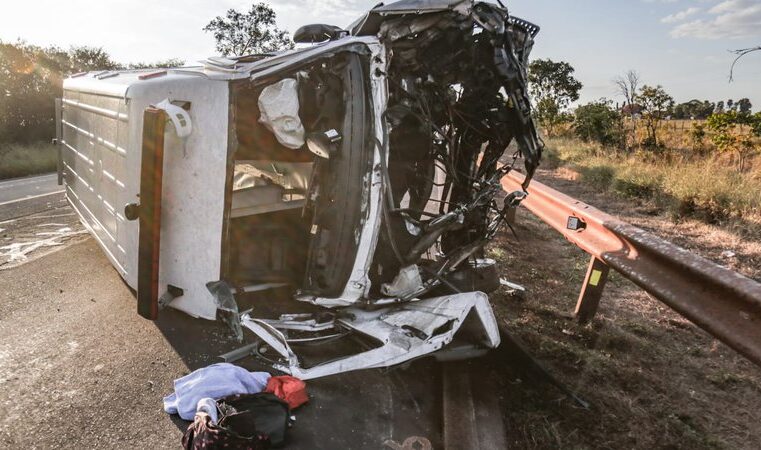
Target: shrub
[(599, 122), (727, 137), (697, 135)]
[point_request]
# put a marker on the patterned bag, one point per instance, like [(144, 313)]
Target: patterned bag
[(247, 421)]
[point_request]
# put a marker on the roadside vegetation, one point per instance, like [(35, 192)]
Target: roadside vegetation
[(704, 188), (696, 159), (19, 160), (30, 79)]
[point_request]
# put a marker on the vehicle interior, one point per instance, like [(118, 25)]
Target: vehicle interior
[(296, 203)]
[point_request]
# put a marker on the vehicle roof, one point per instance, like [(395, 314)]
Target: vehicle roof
[(117, 83)]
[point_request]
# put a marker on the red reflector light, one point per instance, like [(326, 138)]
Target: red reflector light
[(147, 76)]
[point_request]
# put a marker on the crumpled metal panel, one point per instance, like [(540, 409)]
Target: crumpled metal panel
[(405, 333), (427, 317)]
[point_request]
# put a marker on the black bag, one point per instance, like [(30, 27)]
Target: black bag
[(246, 421), (263, 412)]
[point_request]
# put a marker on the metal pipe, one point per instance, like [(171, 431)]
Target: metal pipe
[(722, 302)]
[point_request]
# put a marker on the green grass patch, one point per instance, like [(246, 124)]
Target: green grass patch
[(18, 160)]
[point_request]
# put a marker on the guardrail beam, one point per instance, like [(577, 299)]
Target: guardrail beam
[(722, 302)]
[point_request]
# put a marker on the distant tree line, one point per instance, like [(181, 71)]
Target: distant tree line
[(700, 110), (31, 78)]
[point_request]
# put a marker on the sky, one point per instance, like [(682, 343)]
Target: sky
[(680, 44)]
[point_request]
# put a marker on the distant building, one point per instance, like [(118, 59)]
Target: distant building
[(632, 110)]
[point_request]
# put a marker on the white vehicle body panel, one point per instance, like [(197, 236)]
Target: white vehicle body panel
[(102, 155), (102, 172)]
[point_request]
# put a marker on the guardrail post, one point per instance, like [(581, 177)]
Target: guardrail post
[(591, 290)]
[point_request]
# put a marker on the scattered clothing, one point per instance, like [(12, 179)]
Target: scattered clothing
[(204, 434), (208, 406), (215, 381), (247, 421), (288, 388)]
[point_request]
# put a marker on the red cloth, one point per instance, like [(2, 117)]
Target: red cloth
[(290, 389)]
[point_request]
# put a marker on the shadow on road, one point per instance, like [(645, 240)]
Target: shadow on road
[(361, 409)]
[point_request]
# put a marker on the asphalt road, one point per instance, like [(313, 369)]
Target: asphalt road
[(28, 187), (80, 369), (21, 197)]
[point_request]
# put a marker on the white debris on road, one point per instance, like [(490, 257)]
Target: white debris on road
[(19, 251)]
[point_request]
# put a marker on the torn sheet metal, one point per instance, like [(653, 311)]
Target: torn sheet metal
[(405, 333)]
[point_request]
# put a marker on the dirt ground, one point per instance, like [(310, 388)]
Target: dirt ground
[(652, 378)]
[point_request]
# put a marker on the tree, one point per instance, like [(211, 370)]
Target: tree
[(627, 85), (86, 59), (553, 87), (719, 107), (655, 106), (755, 123), (694, 109), (27, 90), (598, 121), (727, 138), (255, 31), (744, 106)]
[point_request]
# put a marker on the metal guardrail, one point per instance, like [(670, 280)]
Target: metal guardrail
[(722, 302)]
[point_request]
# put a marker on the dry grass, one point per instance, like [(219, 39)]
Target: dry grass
[(706, 188), (18, 160)]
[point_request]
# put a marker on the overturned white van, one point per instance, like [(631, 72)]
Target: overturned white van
[(360, 172)]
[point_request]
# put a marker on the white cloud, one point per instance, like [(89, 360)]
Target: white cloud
[(681, 15), (728, 19)]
